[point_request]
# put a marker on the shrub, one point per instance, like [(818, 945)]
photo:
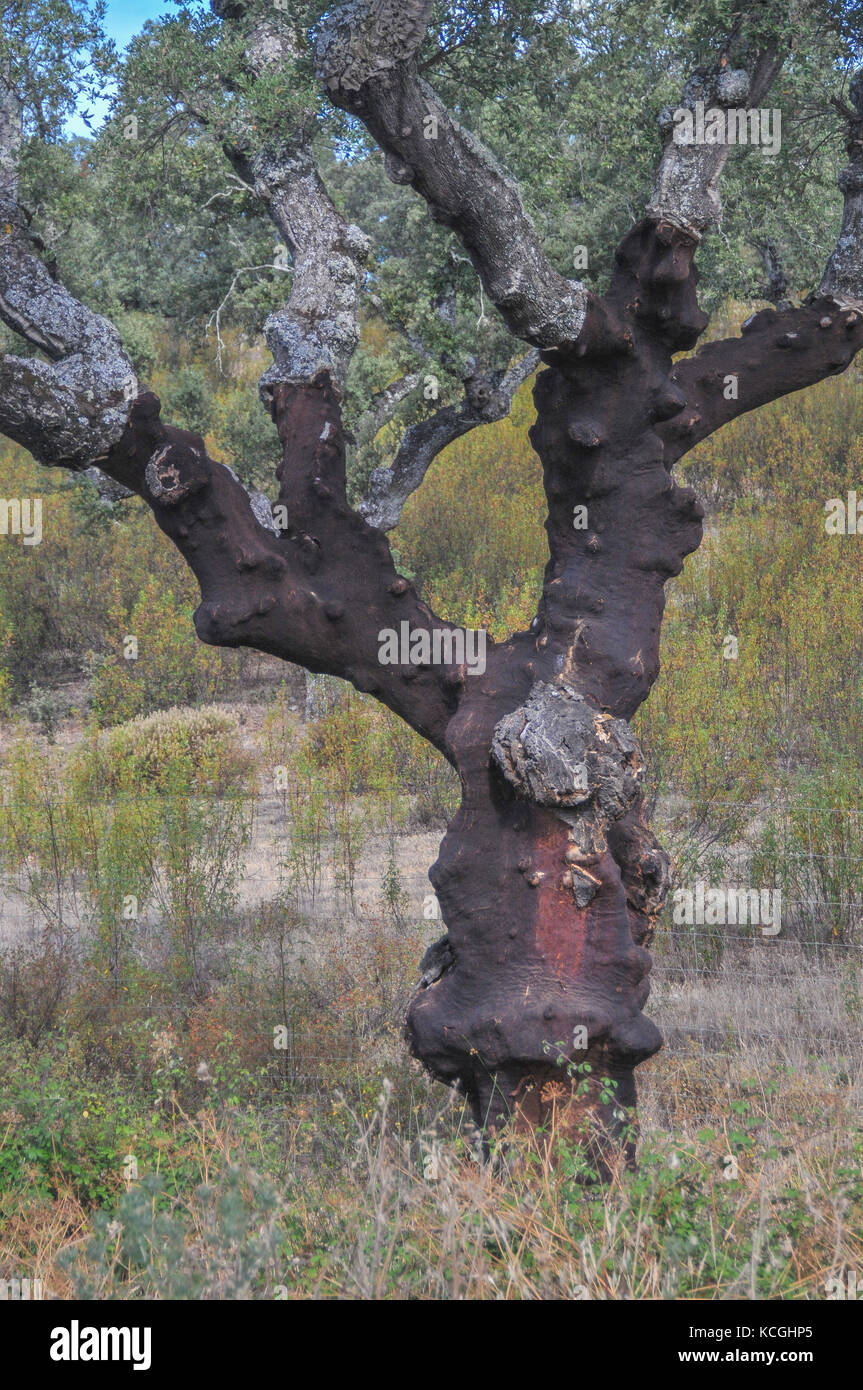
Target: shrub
[(473, 537), (359, 746), (187, 399), (170, 751), (171, 667), (246, 433), (140, 339)]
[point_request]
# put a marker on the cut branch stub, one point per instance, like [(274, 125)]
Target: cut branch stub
[(174, 472)]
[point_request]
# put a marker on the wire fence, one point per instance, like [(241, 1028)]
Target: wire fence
[(791, 980)]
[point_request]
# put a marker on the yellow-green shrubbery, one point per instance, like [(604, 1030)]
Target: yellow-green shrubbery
[(5, 678), (473, 534), (154, 815), (67, 604), (361, 746), (171, 666), (196, 749)]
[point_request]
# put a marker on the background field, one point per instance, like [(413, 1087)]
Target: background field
[(276, 834)]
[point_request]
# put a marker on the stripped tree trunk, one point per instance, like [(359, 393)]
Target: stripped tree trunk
[(549, 878)]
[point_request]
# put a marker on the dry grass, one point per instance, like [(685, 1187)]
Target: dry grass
[(378, 1193)]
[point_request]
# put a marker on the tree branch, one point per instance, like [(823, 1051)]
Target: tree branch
[(412, 339), (73, 408), (685, 192), (485, 401), (383, 406), (778, 353), (277, 589), (318, 331), (366, 59)]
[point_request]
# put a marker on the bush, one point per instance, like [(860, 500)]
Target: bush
[(359, 746), (812, 848), (171, 667), (172, 838), (187, 399), (174, 749), (473, 536), (140, 339), (246, 433)]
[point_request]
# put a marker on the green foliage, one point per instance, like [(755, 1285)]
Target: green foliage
[(192, 749), (247, 435), (361, 747), (5, 678), (333, 1196), (187, 399), (155, 815), (45, 708), (140, 334), (171, 665), (65, 1131), (473, 537), (56, 56), (66, 604), (145, 1244)]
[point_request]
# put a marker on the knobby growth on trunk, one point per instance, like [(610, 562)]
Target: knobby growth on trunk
[(549, 877)]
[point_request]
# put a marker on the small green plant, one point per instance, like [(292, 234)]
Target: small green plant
[(46, 708), (395, 899)]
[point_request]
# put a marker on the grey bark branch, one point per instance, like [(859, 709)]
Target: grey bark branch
[(368, 38), (485, 401), (686, 190), (318, 330), (843, 275), (812, 343), (383, 406), (366, 59), (72, 409)]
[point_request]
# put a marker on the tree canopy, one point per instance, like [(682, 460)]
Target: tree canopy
[(149, 216)]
